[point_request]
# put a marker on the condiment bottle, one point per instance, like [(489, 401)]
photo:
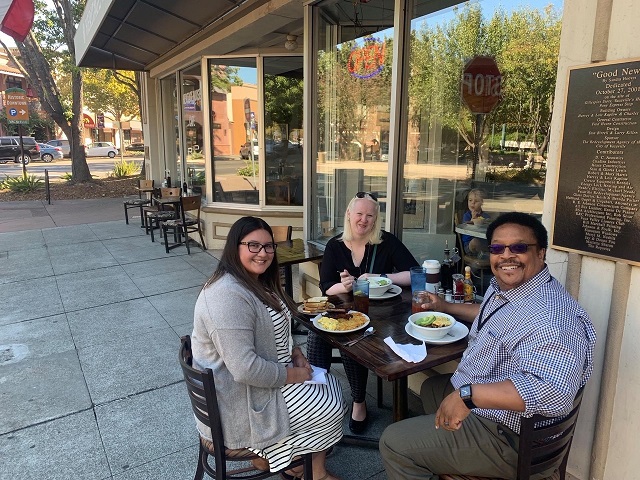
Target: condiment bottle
[(467, 286), (447, 268), (458, 287)]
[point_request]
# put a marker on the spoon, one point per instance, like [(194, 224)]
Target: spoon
[(369, 331)]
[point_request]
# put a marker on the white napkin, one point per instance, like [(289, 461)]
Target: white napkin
[(319, 375), (409, 352)]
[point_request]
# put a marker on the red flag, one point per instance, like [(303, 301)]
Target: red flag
[(16, 18)]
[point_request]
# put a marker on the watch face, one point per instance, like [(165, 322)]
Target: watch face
[(465, 391)]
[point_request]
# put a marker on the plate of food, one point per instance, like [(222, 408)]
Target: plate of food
[(394, 291), (458, 332), (341, 322), (315, 305)]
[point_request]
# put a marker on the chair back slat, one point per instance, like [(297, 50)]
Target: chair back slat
[(543, 446), (170, 192), (191, 203), (145, 184)]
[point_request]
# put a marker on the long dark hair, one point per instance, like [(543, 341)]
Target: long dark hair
[(267, 283)]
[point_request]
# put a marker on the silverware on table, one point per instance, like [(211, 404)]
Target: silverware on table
[(369, 331)]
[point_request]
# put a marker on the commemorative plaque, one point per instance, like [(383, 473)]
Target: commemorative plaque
[(598, 199)]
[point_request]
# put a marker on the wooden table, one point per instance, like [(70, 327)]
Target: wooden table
[(293, 252), (388, 317)]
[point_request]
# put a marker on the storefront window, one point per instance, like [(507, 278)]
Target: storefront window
[(283, 88), (192, 120), (450, 150), (171, 127), (353, 92), (235, 156)]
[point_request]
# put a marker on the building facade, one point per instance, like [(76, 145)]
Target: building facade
[(285, 110)]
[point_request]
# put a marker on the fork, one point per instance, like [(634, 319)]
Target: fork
[(369, 331)]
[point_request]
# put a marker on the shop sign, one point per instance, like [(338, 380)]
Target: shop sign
[(87, 121), (247, 110), (367, 61), (481, 85), (16, 106)]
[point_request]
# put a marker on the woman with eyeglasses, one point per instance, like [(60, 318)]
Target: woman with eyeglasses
[(242, 332), (361, 251)]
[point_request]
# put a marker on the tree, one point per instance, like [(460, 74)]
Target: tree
[(111, 92), (47, 55)]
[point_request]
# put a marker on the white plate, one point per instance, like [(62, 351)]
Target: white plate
[(320, 327), (458, 332), (394, 291), (302, 310)]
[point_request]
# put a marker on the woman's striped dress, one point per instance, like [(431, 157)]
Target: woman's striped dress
[(315, 410)]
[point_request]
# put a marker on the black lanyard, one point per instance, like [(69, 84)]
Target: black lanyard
[(482, 321)]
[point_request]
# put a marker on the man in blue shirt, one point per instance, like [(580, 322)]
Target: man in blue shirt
[(530, 351)]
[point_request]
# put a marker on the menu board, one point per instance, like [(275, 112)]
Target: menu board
[(598, 199)]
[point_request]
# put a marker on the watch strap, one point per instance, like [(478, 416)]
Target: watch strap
[(467, 398)]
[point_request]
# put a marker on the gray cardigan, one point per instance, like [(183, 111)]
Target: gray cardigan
[(233, 336)]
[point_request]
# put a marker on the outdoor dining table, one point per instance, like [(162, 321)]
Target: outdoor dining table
[(292, 252), (389, 318)]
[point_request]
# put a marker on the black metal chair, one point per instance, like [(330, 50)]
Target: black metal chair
[(204, 402), (544, 442), (144, 186), (155, 214), (186, 223)]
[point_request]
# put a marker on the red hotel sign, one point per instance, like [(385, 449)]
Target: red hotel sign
[(481, 86)]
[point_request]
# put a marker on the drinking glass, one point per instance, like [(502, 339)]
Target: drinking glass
[(361, 295), (418, 278), (418, 299)]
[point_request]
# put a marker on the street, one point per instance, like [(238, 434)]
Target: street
[(100, 167)]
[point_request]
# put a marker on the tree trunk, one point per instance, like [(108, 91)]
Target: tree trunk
[(79, 169)]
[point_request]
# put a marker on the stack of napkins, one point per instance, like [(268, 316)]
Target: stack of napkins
[(409, 352)]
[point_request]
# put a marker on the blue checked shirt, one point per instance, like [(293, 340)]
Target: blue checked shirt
[(535, 335)]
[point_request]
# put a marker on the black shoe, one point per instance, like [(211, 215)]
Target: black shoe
[(358, 426)]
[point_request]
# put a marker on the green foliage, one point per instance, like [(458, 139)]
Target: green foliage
[(103, 92), (22, 184), (247, 171), (66, 176), (125, 169), (518, 175), (196, 156), (198, 178)]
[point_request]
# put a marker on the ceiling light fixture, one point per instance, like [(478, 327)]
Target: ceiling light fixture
[(291, 43)]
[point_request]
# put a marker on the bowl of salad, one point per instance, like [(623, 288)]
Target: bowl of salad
[(378, 286), (432, 325)]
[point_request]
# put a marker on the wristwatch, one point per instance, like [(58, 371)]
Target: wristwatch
[(465, 395), (384, 275)]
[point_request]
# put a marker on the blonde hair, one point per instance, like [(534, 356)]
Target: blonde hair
[(375, 236), (477, 192)]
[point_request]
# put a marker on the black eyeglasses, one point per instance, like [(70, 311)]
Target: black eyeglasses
[(255, 247), (517, 248), (373, 196)]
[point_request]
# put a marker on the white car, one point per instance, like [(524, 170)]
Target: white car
[(102, 149)]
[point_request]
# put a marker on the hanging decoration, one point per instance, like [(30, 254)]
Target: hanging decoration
[(367, 61)]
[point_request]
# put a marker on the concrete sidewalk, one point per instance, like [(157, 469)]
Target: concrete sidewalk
[(90, 385), (38, 214)]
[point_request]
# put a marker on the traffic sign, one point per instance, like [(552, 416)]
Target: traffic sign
[(16, 104), (481, 85)]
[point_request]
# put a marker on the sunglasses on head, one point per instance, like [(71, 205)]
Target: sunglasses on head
[(517, 248), (372, 196)]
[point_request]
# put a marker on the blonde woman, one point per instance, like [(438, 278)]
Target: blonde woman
[(362, 250)]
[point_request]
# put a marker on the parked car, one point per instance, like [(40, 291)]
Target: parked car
[(63, 143), (10, 149), (102, 149), (135, 147), (49, 153), (245, 152)]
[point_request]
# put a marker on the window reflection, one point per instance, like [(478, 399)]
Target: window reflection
[(283, 88), (353, 93), (233, 93), (192, 119)]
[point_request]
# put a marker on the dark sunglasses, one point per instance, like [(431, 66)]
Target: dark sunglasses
[(373, 196), (255, 247), (517, 248)]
